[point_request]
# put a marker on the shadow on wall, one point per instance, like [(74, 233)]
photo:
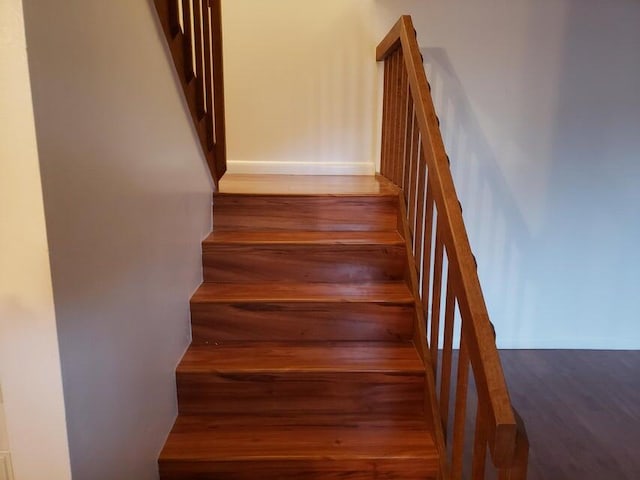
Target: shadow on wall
[(496, 227)]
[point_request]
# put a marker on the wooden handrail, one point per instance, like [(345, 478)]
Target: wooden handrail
[(193, 29), (414, 158)]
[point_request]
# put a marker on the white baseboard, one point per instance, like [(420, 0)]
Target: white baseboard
[(6, 472), (299, 168)]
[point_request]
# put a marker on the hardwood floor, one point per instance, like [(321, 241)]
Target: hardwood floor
[(307, 185), (582, 411)]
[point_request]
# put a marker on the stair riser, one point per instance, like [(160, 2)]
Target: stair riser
[(365, 469), (273, 321), (237, 212), (303, 263), (308, 392)]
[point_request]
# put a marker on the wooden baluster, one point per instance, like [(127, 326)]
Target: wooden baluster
[(480, 442), (459, 418), (445, 372), (413, 194), (419, 216), (408, 150), (386, 118), (415, 138), (395, 109), (219, 126), (174, 17), (198, 36), (187, 16), (436, 298), (188, 40), (390, 103), (427, 246), (403, 122), (208, 74)]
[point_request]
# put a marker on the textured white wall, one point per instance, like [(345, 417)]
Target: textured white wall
[(29, 361), (127, 202), (540, 110), (300, 86)]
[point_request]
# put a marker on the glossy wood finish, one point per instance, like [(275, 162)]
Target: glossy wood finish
[(303, 256), (285, 378), (300, 212), (302, 312), (302, 363), (355, 447), (196, 49), (272, 358), (432, 207), (287, 185)]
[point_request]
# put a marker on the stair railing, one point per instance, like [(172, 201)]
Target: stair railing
[(414, 158), (193, 29)]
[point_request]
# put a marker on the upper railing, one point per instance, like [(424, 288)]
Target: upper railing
[(194, 32), (414, 158)]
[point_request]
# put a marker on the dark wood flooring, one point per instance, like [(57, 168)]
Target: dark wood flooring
[(581, 409)]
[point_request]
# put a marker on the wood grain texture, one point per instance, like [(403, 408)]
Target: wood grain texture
[(304, 212), (242, 258), (382, 292), (309, 328), (325, 392), (302, 312), (327, 447), (288, 378), (295, 185), (297, 321), (267, 357)]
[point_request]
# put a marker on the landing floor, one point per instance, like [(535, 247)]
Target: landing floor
[(306, 185)]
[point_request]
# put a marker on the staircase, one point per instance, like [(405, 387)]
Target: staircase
[(341, 331), (303, 364)]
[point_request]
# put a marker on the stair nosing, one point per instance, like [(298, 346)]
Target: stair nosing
[(297, 363), (334, 296), (303, 238)]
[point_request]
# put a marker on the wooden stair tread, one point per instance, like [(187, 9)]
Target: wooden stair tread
[(306, 185), (399, 358), (382, 292), (296, 237), (308, 437)]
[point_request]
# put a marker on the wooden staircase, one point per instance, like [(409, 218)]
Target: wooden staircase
[(341, 331), (303, 364)]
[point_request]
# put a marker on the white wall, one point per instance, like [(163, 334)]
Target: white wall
[(300, 86), (540, 109), (29, 361), (540, 112), (127, 202)]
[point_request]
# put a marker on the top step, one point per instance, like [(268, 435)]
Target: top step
[(306, 185), (290, 203)]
